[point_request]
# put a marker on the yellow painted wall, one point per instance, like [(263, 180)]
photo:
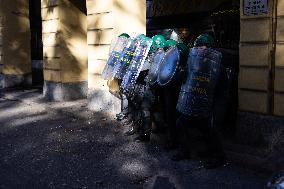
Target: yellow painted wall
[(15, 56), (106, 20), (64, 41), (279, 62), (1, 39), (261, 80), (255, 61), (130, 16)]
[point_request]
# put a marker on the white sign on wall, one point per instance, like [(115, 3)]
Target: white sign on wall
[(255, 7)]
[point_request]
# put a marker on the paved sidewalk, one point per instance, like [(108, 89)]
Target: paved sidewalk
[(64, 145)]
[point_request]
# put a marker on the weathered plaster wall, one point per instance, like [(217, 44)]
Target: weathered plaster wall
[(260, 80), (106, 20), (15, 60), (1, 45), (255, 61), (261, 61), (279, 62), (64, 27)]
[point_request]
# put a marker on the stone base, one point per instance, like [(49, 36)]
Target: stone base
[(1, 87), (65, 91), (1, 81), (260, 130), (7, 81), (103, 101)]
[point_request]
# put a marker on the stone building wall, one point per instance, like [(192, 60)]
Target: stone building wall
[(64, 28), (106, 20), (255, 62), (261, 61), (15, 58), (279, 61)]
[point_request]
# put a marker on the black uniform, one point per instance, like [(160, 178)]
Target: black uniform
[(170, 82), (140, 104)]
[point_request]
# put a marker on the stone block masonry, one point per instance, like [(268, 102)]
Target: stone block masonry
[(64, 28)]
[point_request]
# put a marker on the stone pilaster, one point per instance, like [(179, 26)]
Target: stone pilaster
[(106, 20), (64, 28)]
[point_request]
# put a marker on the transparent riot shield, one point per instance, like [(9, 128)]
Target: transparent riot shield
[(125, 58), (140, 55), (168, 67), (156, 60), (117, 48), (197, 92)]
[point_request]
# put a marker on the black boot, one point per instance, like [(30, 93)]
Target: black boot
[(127, 121), (143, 138), (133, 128), (145, 129), (121, 116), (124, 108)]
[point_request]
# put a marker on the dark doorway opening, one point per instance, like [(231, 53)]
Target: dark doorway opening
[(36, 42), (222, 21)]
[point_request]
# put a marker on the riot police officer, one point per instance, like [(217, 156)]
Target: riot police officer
[(170, 74), (127, 116), (137, 91), (196, 100), (119, 46), (150, 93)]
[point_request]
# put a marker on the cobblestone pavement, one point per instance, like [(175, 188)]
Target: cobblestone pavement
[(64, 145)]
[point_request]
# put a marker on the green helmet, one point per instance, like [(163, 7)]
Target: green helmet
[(170, 43), (158, 41), (148, 39), (124, 35), (142, 36), (204, 40)]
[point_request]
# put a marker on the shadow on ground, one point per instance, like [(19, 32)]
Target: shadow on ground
[(64, 145)]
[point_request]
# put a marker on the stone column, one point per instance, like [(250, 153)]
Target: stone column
[(15, 56), (64, 28), (106, 20)]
